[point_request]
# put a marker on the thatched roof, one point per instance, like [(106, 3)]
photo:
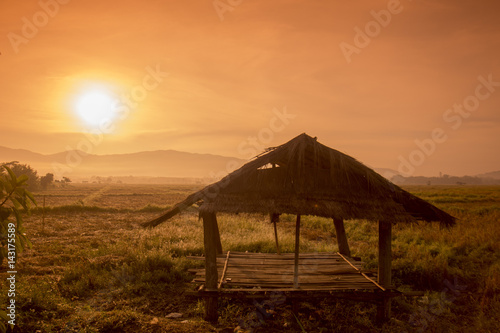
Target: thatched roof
[(305, 177)]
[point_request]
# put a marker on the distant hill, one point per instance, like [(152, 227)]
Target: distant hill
[(8, 154), (386, 172), (160, 163), (170, 166), (490, 178), (448, 180), (493, 174)]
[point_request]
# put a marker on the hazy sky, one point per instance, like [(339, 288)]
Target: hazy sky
[(373, 79)]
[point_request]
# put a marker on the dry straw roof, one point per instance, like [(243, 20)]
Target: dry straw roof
[(305, 177)]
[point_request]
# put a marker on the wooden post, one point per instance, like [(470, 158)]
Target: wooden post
[(297, 242), (384, 268), (210, 239), (275, 218), (43, 215), (217, 235), (341, 237)]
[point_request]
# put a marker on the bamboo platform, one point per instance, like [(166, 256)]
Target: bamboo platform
[(241, 272)]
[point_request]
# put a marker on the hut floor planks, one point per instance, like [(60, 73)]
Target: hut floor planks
[(240, 272)]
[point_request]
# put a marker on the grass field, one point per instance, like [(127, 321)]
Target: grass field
[(92, 268)]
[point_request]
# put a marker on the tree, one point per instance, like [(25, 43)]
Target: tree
[(24, 169), (13, 199), (46, 180)]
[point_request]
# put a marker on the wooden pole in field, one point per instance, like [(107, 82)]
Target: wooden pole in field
[(384, 268), (211, 241), (43, 214), (275, 218), (341, 237), (296, 264)]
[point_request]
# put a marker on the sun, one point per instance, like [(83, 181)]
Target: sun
[(95, 107)]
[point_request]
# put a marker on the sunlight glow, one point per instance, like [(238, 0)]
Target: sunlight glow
[(94, 107)]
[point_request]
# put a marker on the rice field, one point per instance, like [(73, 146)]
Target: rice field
[(92, 268)]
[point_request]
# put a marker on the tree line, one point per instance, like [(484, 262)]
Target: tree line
[(34, 181)]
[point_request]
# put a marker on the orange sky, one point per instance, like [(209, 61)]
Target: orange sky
[(234, 68)]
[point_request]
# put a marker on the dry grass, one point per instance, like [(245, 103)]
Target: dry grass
[(94, 269)]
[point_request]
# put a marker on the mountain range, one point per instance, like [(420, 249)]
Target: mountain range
[(493, 174), (162, 163)]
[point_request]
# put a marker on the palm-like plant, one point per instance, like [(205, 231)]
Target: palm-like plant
[(14, 199)]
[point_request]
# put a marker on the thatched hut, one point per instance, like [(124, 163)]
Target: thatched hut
[(304, 177)]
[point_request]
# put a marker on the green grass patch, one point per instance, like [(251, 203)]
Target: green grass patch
[(84, 279), (39, 303), (115, 321)]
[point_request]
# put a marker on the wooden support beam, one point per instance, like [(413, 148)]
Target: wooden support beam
[(276, 218), (384, 268), (341, 237), (384, 254), (211, 240), (296, 264), (217, 235), (302, 294), (364, 275), (224, 270)]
